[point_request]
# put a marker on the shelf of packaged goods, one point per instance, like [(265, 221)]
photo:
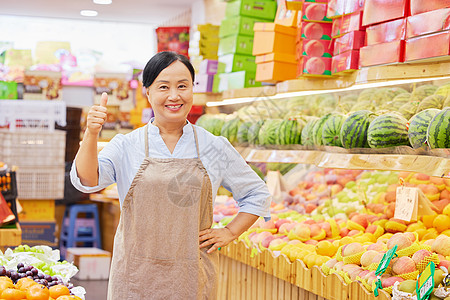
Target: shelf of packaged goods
[(203, 98), (263, 275), (431, 165), (253, 92)]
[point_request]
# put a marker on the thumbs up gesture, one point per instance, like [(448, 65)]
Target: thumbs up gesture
[(97, 115)]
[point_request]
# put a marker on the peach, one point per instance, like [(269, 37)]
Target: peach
[(411, 236), (371, 229), (327, 227), (338, 266), (429, 242), (361, 220), (390, 196), (315, 230), (371, 278), (351, 249), (364, 273), (367, 257), (445, 264), (311, 242), (267, 240), (421, 255), (280, 222), (313, 31), (389, 281), (344, 231), (353, 232), (402, 241), (294, 242), (389, 210), (302, 231), (445, 194), (331, 263), (441, 245), (267, 225), (422, 177), (259, 237), (355, 272), (371, 218), (347, 268), (404, 265), (286, 227), (378, 258), (276, 242), (378, 246)]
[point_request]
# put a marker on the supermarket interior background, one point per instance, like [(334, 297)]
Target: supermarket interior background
[(341, 106)]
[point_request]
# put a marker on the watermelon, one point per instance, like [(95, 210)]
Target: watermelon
[(423, 91), (307, 133), (268, 132), (446, 102), (397, 102), (215, 126), (433, 101), (290, 132), (363, 105), (388, 130), (409, 109), (253, 133), (331, 130), (383, 95), (230, 129), (438, 132), (317, 130), (366, 95), (243, 131), (443, 90), (212, 123), (354, 129), (418, 125)]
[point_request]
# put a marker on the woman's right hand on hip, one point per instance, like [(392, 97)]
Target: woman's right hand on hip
[(97, 115)]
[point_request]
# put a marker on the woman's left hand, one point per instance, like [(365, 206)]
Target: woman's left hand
[(218, 237)]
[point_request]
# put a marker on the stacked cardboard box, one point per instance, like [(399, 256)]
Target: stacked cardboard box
[(37, 219), (236, 42), (204, 44)]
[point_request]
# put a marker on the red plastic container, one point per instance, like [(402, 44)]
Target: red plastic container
[(382, 54), (421, 6), (432, 47), (386, 32), (350, 41), (378, 11), (429, 22), (173, 39), (345, 24), (345, 62)]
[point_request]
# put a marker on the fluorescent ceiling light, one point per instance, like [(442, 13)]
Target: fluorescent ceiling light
[(88, 13), (102, 1), (316, 92)]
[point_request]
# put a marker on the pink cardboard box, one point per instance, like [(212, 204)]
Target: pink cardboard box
[(208, 66), (352, 6), (203, 83), (316, 66), (348, 23), (418, 48), (345, 62), (421, 6), (315, 12), (382, 54), (378, 11), (316, 31), (335, 9), (350, 41), (317, 48), (429, 22), (386, 32)]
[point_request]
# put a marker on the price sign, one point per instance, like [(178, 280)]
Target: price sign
[(407, 200), (425, 284), (384, 263)]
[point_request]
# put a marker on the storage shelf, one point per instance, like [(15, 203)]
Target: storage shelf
[(203, 98), (430, 165)]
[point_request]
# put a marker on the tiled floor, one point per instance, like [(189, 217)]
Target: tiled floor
[(95, 289)]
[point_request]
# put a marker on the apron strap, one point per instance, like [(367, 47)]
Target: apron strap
[(146, 140), (196, 141)]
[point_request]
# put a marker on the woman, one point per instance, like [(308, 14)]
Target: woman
[(167, 174)]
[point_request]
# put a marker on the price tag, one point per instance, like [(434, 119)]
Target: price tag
[(425, 284), (384, 263), (406, 203)]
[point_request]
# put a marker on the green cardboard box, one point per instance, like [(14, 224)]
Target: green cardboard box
[(235, 80), (263, 9), (238, 25), (237, 62), (239, 44), (8, 90)]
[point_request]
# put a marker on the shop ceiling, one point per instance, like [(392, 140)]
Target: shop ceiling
[(152, 12)]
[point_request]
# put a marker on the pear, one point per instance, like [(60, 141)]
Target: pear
[(438, 277), (407, 286)]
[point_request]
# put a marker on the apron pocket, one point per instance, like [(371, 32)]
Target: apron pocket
[(150, 278)]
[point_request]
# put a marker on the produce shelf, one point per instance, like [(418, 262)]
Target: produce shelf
[(430, 165), (203, 98), (250, 92), (267, 276)]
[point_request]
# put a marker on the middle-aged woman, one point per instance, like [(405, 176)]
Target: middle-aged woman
[(167, 174)]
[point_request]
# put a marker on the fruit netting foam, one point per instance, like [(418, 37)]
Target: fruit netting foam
[(409, 251), (326, 270), (339, 254), (345, 276), (353, 259), (411, 275), (424, 263)]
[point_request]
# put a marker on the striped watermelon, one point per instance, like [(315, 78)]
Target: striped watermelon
[(418, 125), (253, 133), (446, 102), (331, 130), (243, 132), (443, 90), (317, 130), (230, 129), (307, 138), (354, 129), (215, 126), (438, 132), (433, 101), (423, 91), (268, 133), (290, 132), (409, 109), (388, 130)]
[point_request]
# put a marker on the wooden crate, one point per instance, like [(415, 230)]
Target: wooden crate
[(10, 237)]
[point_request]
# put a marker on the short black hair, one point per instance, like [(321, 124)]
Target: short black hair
[(161, 61)]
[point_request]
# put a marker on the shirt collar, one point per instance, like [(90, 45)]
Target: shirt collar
[(155, 130)]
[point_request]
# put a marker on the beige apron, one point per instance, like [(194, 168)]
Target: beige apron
[(156, 251)]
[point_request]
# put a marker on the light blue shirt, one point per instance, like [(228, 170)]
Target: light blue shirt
[(121, 158)]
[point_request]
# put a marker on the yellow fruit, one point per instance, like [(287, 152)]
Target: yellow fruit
[(431, 234), (421, 232), (446, 232), (446, 210), (320, 260), (326, 248), (428, 220), (415, 226), (345, 240), (310, 260), (441, 223)]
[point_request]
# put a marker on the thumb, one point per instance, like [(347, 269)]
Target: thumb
[(104, 99)]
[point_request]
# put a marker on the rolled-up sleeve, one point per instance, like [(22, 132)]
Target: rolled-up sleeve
[(248, 189), (108, 162)]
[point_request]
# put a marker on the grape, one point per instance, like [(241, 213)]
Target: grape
[(8, 273), (30, 277), (48, 277), (54, 278), (29, 273), (34, 271), (44, 282), (22, 275), (52, 283), (40, 275), (20, 265), (28, 268), (22, 270), (14, 276)]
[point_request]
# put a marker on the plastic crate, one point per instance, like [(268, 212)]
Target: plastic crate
[(40, 182), (31, 148), (32, 115)]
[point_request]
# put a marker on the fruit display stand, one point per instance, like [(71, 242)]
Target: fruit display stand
[(10, 236)]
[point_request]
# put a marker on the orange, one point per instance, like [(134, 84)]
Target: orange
[(13, 294), (428, 220), (38, 292), (71, 297), (58, 290), (441, 223), (5, 285), (24, 283), (4, 278)]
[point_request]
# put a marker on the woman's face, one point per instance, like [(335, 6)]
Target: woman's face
[(171, 95)]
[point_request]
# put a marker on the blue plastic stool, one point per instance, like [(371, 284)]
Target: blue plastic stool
[(80, 230)]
